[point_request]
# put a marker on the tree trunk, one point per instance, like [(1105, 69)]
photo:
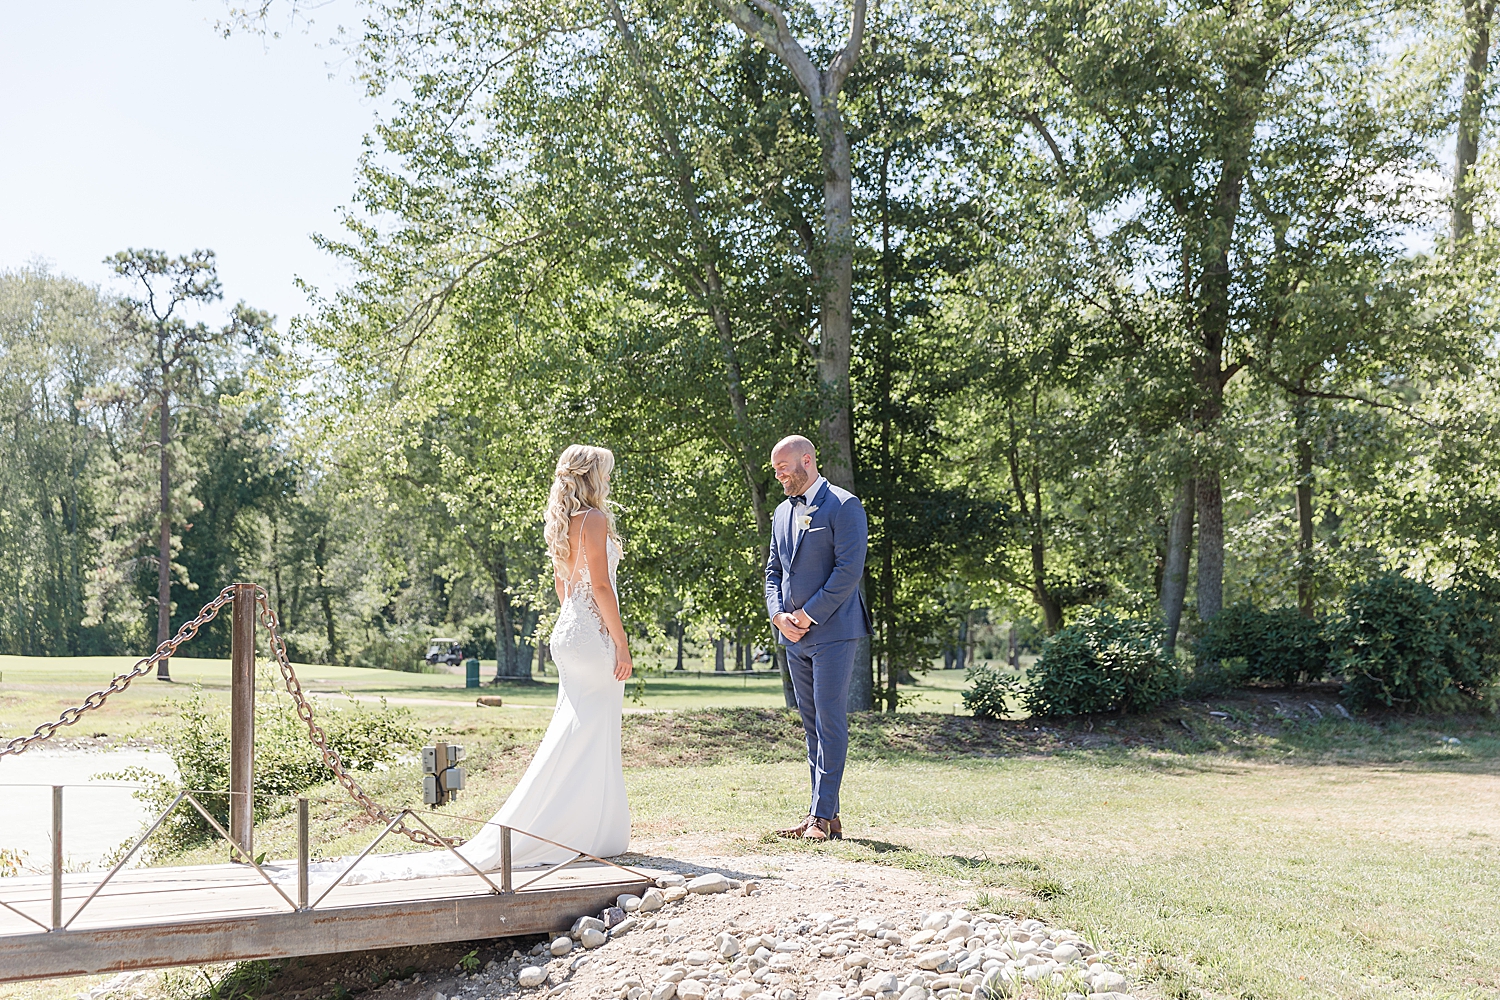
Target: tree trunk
[(1179, 552), (325, 599), (1210, 506), (718, 654), (836, 318), (505, 627), (861, 697), (1245, 96), (887, 604), (1031, 516), (836, 314), (1477, 16), (680, 631), (1304, 512), (164, 527)]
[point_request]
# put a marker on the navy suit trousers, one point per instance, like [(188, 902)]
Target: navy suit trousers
[(820, 676)]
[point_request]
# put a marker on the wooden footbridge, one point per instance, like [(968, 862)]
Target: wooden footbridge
[(63, 924)]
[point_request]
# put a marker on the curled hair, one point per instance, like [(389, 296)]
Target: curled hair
[(581, 482)]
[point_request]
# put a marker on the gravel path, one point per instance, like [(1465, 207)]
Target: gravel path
[(800, 927), (761, 927)]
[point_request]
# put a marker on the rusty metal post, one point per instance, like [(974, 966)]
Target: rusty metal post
[(302, 852), (57, 857), (242, 719), (505, 875)]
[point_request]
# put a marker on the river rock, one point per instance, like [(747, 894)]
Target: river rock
[(673, 893), (651, 900), (691, 989), (669, 880), (856, 960), (629, 902), (709, 883), (592, 938), (624, 927), (699, 958), (664, 991), (728, 945), (1107, 982), (931, 959), (531, 977), (956, 931), (936, 920), (560, 946), (584, 923)]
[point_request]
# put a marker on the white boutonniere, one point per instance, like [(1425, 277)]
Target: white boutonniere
[(804, 521)]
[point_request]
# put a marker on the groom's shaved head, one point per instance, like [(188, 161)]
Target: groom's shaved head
[(794, 446)]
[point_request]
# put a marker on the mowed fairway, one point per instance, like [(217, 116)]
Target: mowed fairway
[(1373, 875), (36, 689)]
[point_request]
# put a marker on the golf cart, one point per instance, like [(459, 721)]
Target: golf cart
[(447, 652)]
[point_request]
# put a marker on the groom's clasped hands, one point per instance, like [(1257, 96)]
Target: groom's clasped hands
[(793, 625)]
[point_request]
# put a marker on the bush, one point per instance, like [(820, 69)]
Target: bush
[(1278, 646), (990, 688), (1473, 606), (1101, 664), (1400, 643), (286, 762)]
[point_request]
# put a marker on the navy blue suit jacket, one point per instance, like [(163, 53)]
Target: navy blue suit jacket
[(820, 569)]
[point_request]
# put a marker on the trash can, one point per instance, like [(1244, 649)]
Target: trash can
[(471, 672)]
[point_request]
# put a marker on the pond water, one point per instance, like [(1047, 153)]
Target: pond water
[(98, 814)]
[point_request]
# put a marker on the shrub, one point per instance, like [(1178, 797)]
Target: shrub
[(990, 689), (1278, 646), (1101, 664), (1393, 646), (1473, 606), (286, 762)]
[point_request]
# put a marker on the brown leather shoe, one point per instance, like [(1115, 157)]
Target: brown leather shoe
[(821, 829), (835, 829), (796, 832)]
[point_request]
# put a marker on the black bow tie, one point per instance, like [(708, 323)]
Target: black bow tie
[(799, 498)]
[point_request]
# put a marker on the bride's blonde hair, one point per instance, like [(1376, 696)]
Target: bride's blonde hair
[(580, 482)]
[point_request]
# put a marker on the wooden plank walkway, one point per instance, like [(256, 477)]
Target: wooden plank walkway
[(155, 917)]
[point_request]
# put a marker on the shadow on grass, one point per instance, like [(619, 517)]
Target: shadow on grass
[(1018, 877)]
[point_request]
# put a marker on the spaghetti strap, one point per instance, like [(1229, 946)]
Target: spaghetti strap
[(580, 565)]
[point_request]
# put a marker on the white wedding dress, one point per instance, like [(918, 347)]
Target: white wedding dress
[(573, 793)]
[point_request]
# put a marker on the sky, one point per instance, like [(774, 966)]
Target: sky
[(134, 123)]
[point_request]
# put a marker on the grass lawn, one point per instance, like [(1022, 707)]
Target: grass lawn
[(35, 689), (1259, 851)]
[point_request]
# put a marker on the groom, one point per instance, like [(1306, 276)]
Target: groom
[(818, 541)]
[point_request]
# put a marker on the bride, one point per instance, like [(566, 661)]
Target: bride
[(574, 791)]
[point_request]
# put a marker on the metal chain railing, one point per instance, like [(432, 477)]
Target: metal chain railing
[(331, 758), (71, 715)]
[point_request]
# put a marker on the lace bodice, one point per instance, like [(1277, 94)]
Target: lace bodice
[(580, 619), (581, 574)]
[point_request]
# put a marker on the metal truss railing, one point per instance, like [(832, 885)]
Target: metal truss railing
[(303, 903)]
